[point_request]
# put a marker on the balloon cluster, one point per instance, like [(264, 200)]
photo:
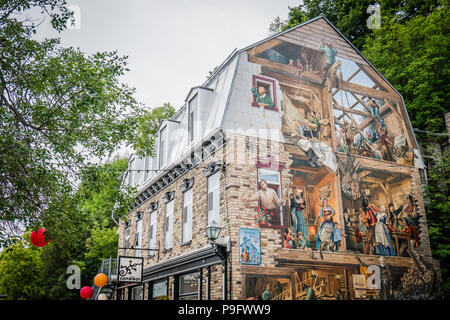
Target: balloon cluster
[(100, 280)]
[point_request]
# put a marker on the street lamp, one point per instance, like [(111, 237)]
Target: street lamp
[(213, 231)]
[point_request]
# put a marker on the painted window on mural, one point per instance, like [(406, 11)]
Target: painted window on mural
[(260, 287), (189, 286), (127, 236), (269, 198), (264, 93)]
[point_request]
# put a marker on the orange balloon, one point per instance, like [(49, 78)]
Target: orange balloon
[(101, 280)]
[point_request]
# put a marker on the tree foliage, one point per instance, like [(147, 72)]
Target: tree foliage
[(20, 272), (60, 109)]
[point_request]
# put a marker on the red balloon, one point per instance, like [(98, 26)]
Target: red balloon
[(38, 238), (86, 292)]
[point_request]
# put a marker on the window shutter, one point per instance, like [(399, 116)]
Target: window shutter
[(210, 201), (185, 209)]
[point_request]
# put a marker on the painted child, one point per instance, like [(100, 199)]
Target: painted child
[(262, 98)]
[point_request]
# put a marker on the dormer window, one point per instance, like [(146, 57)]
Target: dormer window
[(162, 147), (191, 118)]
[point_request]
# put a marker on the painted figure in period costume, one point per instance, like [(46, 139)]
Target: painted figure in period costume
[(262, 97), (310, 294), (326, 227), (245, 256), (298, 206), (330, 54), (410, 229), (370, 220), (299, 67), (393, 216), (336, 236), (269, 200), (266, 293), (410, 212), (384, 143), (303, 243), (286, 239), (360, 232), (386, 280), (383, 243)]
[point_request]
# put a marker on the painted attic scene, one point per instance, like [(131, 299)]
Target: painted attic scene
[(339, 95)]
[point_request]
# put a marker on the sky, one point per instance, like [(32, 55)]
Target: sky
[(171, 44)]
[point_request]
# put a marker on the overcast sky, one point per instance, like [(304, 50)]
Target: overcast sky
[(171, 44)]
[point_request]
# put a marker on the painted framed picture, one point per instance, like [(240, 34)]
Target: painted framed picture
[(264, 93), (249, 246)]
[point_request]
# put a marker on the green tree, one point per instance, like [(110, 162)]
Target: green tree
[(20, 272), (412, 56), (59, 109)]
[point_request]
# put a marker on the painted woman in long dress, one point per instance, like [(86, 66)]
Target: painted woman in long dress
[(383, 243), (327, 225), (299, 205)]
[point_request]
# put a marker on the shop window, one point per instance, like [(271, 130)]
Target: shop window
[(137, 293), (189, 286), (159, 290)]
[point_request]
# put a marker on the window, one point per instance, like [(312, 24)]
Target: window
[(191, 118), (131, 173), (162, 147), (139, 237), (269, 87), (159, 290), (168, 225), (187, 215), (273, 181), (189, 286), (137, 293), (127, 237), (152, 242), (213, 198)]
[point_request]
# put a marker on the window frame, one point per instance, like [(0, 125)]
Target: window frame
[(191, 294), (152, 231), (168, 226), (272, 84), (191, 125), (188, 205), (210, 190), (162, 148), (277, 170)]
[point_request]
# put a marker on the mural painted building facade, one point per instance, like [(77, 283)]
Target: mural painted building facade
[(305, 156)]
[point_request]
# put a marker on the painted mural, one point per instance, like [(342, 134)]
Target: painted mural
[(249, 246), (350, 149)]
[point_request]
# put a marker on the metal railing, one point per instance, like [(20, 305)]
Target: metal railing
[(108, 267)]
